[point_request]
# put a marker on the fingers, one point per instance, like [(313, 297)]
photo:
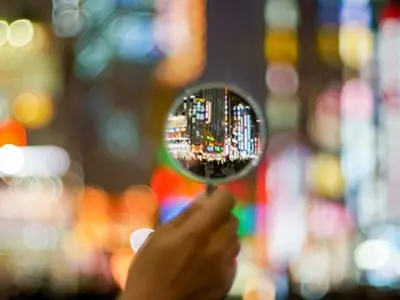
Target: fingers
[(226, 240), (215, 211), (188, 213)]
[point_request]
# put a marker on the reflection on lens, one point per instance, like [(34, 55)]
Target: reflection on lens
[(214, 133)]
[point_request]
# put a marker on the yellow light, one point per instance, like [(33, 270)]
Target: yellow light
[(33, 111), (281, 46), (328, 45), (356, 45), (3, 33), (41, 39), (20, 33), (326, 176)]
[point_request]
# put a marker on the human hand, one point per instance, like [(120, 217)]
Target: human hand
[(191, 257)]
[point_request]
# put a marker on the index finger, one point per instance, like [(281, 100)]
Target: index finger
[(215, 211)]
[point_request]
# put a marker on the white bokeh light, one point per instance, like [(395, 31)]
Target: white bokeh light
[(20, 33), (11, 160), (373, 254), (139, 237)]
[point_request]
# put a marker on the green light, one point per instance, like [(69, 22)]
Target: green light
[(164, 158), (93, 58), (246, 217)]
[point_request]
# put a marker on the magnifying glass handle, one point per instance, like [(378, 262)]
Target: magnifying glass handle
[(210, 188)]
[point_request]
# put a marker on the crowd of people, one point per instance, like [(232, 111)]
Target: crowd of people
[(215, 168)]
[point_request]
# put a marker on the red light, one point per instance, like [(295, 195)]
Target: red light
[(357, 100), (12, 132), (390, 11), (164, 182)]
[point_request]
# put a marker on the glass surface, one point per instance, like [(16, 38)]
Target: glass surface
[(214, 133)]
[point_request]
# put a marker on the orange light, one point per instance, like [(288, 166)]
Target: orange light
[(142, 205), (186, 61), (34, 111), (92, 235), (13, 133), (140, 199), (93, 205), (120, 264), (190, 188), (251, 295)]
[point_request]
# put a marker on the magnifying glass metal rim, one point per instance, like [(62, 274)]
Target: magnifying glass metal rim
[(260, 115)]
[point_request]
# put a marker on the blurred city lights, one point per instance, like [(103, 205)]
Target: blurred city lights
[(357, 100), (282, 14), (3, 33), (33, 111), (289, 220), (120, 263), (373, 254), (4, 109), (325, 176), (356, 45), (98, 10), (185, 61), (139, 237), (67, 19), (11, 160), (281, 46), (134, 37), (328, 45), (38, 236), (282, 79), (20, 33), (93, 58), (141, 200), (120, 135)]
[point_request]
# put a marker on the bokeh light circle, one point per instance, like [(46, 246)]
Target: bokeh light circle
[(282, 79), (120, 263), (3, 33), (4, 110), (20, 33), (11, 160), (33, 111), (12, 132), (325, 176)]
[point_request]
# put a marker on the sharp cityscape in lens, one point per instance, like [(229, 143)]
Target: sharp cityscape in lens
[(213, 133)]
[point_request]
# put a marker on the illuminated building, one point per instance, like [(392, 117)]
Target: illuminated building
[(197, 120), (228, 127), (243, 131), (177, 135), (207, 114), (216, 125)]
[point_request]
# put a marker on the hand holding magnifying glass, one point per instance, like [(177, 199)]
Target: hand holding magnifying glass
[(214, 135)]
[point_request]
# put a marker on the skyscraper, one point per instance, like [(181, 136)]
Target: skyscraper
[(197, 119)]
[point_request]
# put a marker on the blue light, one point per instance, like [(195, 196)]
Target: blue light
[(98, 10), (171, 210), (136, 4), (93, 58), (359, 15), (134, 38)]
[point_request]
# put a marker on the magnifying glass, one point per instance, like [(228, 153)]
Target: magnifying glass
[(215, 133)]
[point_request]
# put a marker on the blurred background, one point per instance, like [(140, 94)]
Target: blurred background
[(85, 86)]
